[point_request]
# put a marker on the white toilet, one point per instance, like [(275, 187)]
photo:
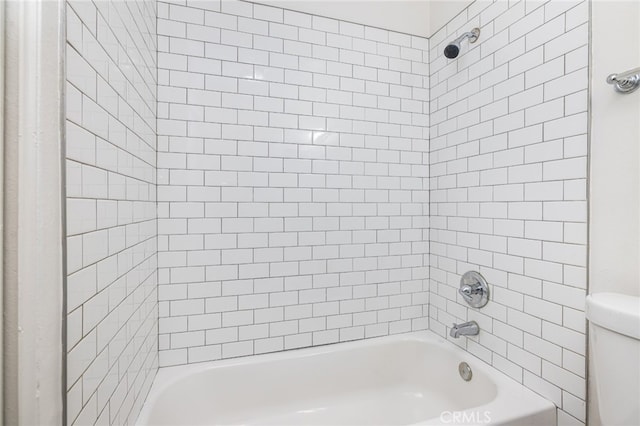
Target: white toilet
[(615, 351)]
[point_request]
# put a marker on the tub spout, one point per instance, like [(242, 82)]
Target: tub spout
[(470, 328)]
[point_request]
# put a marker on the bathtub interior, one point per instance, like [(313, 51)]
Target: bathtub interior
[(403, 382)]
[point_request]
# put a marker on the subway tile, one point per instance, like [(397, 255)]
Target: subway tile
[(281, 129), (268, 13), (564, 379), (548, 31), (121, 143), (296, 18), (236, 7)]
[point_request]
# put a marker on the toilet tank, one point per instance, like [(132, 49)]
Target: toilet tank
[(615, 353)]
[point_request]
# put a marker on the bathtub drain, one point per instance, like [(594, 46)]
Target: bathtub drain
[(465, 371)]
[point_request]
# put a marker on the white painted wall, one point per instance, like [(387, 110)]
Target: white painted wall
[(615, 150), (417, 17), (32, 214), (614, 246), (2, 64), (442, 11)]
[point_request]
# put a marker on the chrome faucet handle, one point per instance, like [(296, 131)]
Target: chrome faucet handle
[(474, 289), (467, 291)]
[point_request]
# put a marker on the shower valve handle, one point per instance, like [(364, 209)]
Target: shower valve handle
[(474, 289), (467, 291)]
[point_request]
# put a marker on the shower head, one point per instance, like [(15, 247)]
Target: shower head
[(453, 49)]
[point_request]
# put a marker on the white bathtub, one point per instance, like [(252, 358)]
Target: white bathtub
[(396, 380)]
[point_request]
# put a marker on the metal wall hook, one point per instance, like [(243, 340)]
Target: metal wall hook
[(625, 82)]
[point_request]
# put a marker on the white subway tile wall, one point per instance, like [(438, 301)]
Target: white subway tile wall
[(508, 169), (112, 305), (296, 160), (292, 180)]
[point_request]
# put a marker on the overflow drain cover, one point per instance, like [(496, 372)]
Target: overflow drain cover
[(465, 371)]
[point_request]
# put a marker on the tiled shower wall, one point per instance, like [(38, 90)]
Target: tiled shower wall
[(111, 209), (294, 167), (508, 190), (292, 180)]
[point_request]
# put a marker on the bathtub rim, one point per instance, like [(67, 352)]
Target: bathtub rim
[(506, 387)]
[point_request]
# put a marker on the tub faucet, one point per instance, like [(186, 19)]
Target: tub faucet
[(470, 328)]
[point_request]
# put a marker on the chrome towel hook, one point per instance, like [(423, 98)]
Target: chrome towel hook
[(625, 82)]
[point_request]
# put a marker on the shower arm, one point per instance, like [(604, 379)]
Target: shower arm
[(471, 35)]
